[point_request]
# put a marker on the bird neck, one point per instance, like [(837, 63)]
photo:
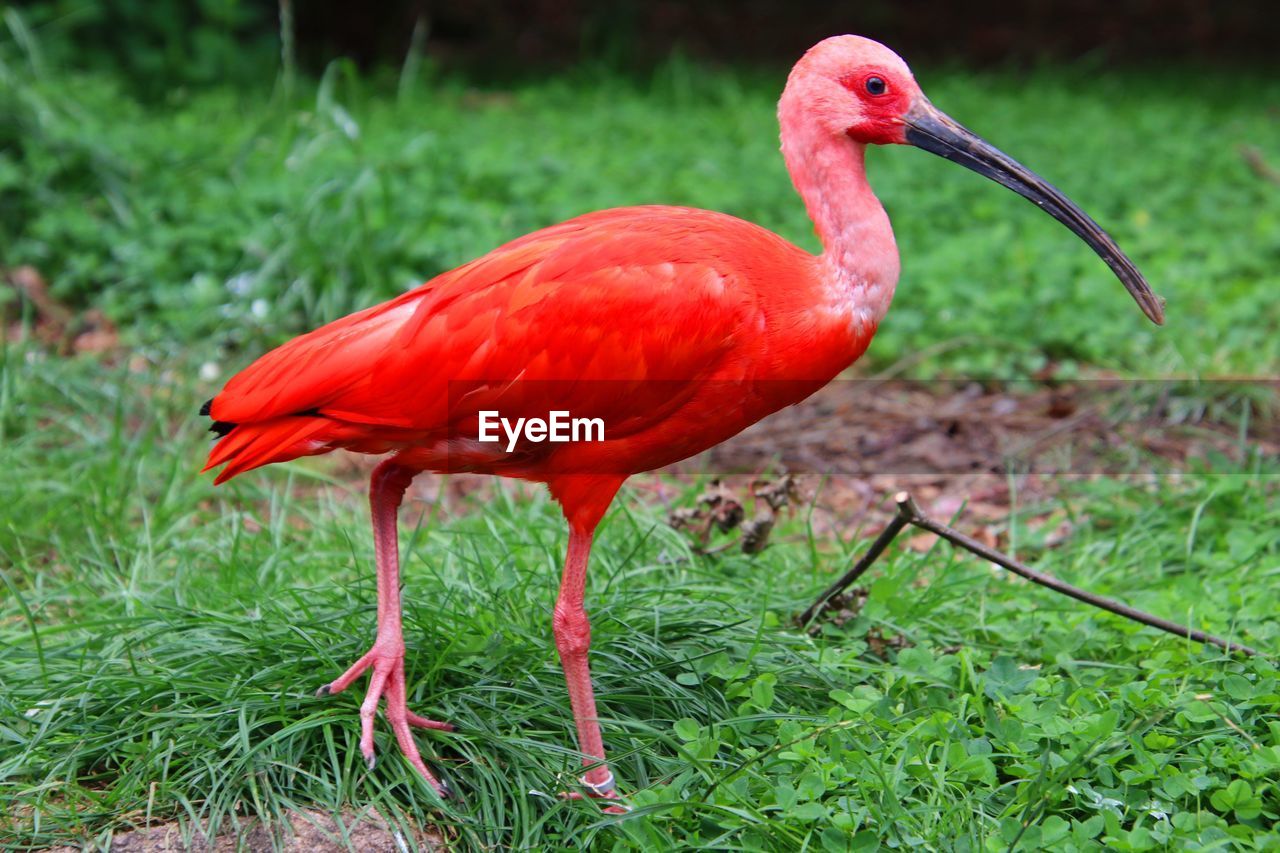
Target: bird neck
[(859, 261)]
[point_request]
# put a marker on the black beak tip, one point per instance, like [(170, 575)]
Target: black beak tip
[(1157, 312), (1151, 304)]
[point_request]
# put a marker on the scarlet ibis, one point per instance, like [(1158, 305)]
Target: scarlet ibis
[(675, 327)]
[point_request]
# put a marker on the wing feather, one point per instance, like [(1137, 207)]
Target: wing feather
[(614, 314)]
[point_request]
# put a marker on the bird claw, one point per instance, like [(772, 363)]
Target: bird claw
[(386, 681)]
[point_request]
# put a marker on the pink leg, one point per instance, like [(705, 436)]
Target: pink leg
[(573, 636), (386, 657)]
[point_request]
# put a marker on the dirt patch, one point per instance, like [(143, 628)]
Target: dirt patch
[(982, 448), (306, 831), (52, 324), (869, 428)]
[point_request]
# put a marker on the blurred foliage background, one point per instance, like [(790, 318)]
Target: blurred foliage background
[(164, 43), (235, 172)]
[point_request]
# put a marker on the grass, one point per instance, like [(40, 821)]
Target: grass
[(161, 640)]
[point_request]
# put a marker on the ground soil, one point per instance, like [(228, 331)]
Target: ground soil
[(309, 831)]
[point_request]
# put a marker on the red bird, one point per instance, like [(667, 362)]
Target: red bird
[(675, 327)]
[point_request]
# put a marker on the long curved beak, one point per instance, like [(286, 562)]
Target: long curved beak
[(929, 128)]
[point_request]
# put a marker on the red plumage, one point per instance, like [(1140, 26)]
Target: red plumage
[(638, 316)]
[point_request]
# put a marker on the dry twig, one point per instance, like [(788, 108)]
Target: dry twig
[(909, 513)]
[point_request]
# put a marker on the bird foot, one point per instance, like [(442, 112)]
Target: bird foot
[(603, 790), (386, 680)]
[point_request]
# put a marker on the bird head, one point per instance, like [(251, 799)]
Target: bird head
[(858, 88)]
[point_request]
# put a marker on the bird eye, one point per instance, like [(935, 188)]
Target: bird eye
[(876, 86)]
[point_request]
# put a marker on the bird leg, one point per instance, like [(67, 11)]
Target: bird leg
[(386, 658), (573, 639)]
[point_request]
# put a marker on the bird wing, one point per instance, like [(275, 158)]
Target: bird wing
[(613, 315)]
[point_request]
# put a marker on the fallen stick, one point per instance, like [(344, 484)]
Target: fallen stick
[(909, 513)]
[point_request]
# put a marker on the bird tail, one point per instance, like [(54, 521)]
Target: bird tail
[(243, 447)]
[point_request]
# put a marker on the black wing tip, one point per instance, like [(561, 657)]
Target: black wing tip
[(218, 428), (221, 428)]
